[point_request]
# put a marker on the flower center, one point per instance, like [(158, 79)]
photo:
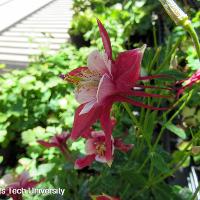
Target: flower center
[(89, 79), (100, 149), (85, 79)]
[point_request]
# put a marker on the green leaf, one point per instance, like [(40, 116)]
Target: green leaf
[(1, 159), (78, 145), (3, 117), (3, 133), (159, 163), (43, 169), (149, 125), (176, 130)]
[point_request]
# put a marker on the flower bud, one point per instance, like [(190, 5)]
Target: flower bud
[(173, 10)]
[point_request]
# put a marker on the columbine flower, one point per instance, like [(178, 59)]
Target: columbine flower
[(58, 141), (103, 197), (188, 82), (95, 149), (23, 181), (103, 82)]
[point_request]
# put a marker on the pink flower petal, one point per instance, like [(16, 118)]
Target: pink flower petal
[(14, 185), (77, 71), (105, 39), (84, 95), (84, 122), (60, 139), (87, 133), (96, 62), (108, 63), (136, 103), (95, 134), (119, 144), (84, 162), (101, 159), (87, 107), (188, 82), (90, 147), (46, 144), (104, 197), (106, 88), (127, 68), (106, 124), (30, 184)]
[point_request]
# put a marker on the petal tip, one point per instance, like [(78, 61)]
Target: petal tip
[(98, 21), (109, 163), (142, 49), (76, 166)]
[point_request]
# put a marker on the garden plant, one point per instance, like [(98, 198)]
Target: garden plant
[(114, 115)]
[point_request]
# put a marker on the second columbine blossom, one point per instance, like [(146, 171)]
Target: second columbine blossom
[(21, 182), (95, 149), (58, 141)]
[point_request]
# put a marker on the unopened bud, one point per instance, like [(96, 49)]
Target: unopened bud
[(173, 10)]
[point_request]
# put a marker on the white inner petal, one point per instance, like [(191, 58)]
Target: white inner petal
[(101, 159), (96, 62), (88, 106), (107, 63), (84, 95)]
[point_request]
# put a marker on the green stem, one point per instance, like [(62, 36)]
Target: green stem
[(163, 127), (175, 104), (134, 119), (143, 164), (168, 57), (158, 179), (153, 61), (154, 37), (173, 116), (125, 191), (66, 153), (189, 28)]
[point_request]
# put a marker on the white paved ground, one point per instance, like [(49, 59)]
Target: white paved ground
[(45, 28)]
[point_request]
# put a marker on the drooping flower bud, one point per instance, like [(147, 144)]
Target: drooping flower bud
[(175, 12)]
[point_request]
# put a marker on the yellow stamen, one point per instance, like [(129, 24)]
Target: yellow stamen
[(100, 149)]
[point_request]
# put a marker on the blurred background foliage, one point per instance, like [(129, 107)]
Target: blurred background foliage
[(35, 103)]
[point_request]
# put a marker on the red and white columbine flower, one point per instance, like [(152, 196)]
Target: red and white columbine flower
[(95, 148), (103, 197), (103, 82), (58, 141), (188, 82), (23, 181)]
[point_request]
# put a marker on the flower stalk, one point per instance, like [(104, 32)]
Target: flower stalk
[(189, 28), (182, 19)]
